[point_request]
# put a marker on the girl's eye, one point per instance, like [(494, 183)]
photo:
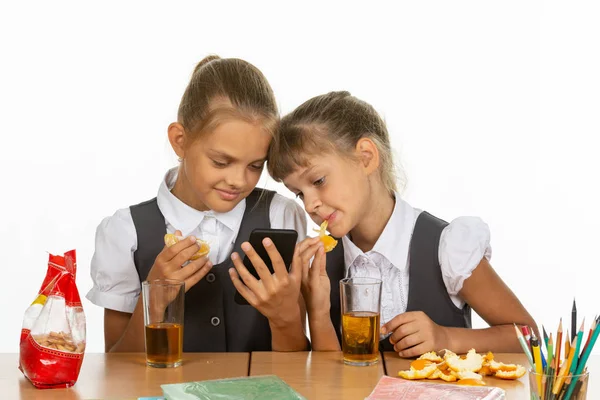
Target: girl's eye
[(319, 182), (257, 167), (219, 164), (299, 195)]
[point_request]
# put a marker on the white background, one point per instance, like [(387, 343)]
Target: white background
[(492, 108)]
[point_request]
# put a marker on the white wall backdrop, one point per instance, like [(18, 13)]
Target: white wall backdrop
[(492, 108)]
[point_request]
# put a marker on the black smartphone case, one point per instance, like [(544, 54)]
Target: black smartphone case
[(285, 242)]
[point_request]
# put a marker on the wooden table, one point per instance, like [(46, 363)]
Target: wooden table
[(318, 375), (122, 376), (518, 389)]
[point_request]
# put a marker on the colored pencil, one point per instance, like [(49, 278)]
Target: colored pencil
[(549, 377), (558, 346), (524, 346), (573, 365), (537, 357), (592, 328), (577, 348), (583, 361), (573, 320), (550, 351), (562, 374), (527, 336), (545, 337), (567, 344)]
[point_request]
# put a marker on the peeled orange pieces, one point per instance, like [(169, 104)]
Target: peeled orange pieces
[(171, 239), (466, 370), (329, 243)]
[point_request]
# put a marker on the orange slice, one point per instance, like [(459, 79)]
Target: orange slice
[(171, 239), (329, 243)]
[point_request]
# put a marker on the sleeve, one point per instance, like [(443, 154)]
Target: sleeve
[(287, 214), (116, 282), (463, 244)]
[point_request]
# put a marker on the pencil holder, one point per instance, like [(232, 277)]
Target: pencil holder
[(557, 387)]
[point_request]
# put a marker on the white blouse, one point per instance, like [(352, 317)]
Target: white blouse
[(116, 282), (463, 244)]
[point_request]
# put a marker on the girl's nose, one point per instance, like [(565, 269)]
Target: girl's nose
[(236, 178), (312, 204)]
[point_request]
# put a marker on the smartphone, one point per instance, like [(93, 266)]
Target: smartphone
[(285, 243)]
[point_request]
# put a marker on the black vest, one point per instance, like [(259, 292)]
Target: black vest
[(213, 322), (426, 289)]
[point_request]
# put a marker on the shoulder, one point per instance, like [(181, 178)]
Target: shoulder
[(113, 272), (468, 231), (117, 229), (463, 244)]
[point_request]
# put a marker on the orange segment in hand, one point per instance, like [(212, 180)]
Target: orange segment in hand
[(329, 242), (204, 249)]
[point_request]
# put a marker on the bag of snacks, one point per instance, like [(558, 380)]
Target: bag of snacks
[(53, 334)]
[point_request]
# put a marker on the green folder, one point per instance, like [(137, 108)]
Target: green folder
[(248, 388)]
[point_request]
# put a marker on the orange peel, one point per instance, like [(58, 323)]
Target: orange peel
[(471, 362), (419, 364), (439, 374), (511, 375), (204, 248), (418, 373), (431, 356), (469, 369), (498, 366)]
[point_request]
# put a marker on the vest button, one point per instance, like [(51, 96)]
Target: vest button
[(211, 277), (215, 321)]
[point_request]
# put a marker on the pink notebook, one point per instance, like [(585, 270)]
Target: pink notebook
[(389, 388)]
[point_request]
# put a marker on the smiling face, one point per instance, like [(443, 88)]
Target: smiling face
[(332, 188), (222, 167)]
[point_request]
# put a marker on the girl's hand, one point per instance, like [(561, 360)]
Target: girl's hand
[(414, 333), (168, 263), (276, 295), (316, 286)]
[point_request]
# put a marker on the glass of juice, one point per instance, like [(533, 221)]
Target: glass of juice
[(361, 306), (163, 320)]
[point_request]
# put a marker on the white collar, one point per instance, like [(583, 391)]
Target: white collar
[(394, 241), (187, 219)]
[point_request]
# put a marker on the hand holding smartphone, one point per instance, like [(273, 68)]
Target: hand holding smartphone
[(284, 241)]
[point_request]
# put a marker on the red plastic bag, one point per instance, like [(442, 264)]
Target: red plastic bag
[(53, 334)]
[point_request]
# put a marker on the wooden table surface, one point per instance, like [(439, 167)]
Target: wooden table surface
[(318, 375), (122, 376), (518, 389)]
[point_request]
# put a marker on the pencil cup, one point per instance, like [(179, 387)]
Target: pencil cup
[(553, 387)]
